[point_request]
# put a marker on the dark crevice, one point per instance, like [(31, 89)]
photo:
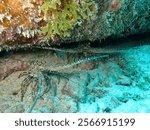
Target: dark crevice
[(132, 40), (108, 43), (112, 42)]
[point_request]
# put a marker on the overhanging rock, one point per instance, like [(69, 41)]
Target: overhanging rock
[(32, 23)]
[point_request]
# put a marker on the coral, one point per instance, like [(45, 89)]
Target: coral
[(61, 15)]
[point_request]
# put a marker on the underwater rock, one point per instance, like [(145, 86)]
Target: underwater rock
[(65, 104), (124, 80), (4, 107), (43, 109), (18, 109), (9, 66), (32, 23)]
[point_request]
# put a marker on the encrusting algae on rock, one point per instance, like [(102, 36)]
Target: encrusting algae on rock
[(62, 15), (21, 14), (45, 18)]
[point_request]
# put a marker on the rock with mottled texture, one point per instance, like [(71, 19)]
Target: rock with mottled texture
[(20, 25)]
